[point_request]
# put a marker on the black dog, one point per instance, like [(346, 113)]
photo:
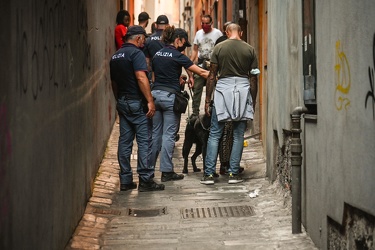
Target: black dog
[(197, 132)]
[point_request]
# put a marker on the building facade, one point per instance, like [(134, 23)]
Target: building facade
[(321, 56)]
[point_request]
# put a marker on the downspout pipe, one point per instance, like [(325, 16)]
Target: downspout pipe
[(296, 159)]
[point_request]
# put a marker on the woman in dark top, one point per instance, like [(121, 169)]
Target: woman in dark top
[(167, 67)]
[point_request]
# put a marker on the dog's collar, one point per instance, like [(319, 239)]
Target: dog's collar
[(207, 129)]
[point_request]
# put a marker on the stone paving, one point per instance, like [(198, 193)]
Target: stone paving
[(254, 214)]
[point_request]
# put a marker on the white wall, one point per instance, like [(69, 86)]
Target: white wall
[(346, 129)]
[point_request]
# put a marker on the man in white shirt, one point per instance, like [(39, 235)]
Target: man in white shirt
[(204, 43)]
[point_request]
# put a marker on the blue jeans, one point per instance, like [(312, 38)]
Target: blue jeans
[(216, 132), (134, 124), (165, 126)]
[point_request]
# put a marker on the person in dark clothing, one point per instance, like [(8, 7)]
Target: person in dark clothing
[(223, 37), (167, 67), (135, 106), (143, 18), (153, 28), (153, 43)]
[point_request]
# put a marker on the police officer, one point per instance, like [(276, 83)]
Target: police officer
[(167, 67), (153, 43), (143, 18), (135, 107)]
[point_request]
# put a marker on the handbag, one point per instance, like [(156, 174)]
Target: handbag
[(181, 101)]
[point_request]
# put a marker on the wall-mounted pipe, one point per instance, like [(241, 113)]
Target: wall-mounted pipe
[(296, 158)]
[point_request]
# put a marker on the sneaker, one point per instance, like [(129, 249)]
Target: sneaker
[(208, 180), (151, 185), (234, 178), (171, 176), (125, 187)]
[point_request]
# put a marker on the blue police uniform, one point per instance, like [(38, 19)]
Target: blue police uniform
[(131, 107), (153, 44), (167, 66)]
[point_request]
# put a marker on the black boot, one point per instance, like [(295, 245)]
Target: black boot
[(125, 187), (150, 185), (171, 176)]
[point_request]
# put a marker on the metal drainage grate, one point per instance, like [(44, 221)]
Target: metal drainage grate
[(106, 211), (210, 212), (146, 212)]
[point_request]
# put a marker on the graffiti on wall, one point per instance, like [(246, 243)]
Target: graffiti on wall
[(46, 45), (5, 154), (370, 94), (342, 78)]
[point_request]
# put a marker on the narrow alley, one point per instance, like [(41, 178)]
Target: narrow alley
[(187, 214)]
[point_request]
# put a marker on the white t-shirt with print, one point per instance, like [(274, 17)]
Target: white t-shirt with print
[(206, 42)]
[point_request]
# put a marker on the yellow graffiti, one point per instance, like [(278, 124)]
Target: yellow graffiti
[(343, 79)]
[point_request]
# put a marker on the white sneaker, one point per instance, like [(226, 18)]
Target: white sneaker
[(208, 180)]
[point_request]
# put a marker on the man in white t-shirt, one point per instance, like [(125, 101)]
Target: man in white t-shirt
[(204, 43)]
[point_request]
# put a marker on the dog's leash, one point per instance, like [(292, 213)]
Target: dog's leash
[(188, 118), (200, 121), (191, 95)]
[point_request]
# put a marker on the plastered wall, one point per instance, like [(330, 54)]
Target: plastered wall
[(338, 145), (56, 114)]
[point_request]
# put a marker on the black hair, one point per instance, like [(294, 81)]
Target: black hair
[(207, 16), (120, 16), (169, 35), (153, 27)]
